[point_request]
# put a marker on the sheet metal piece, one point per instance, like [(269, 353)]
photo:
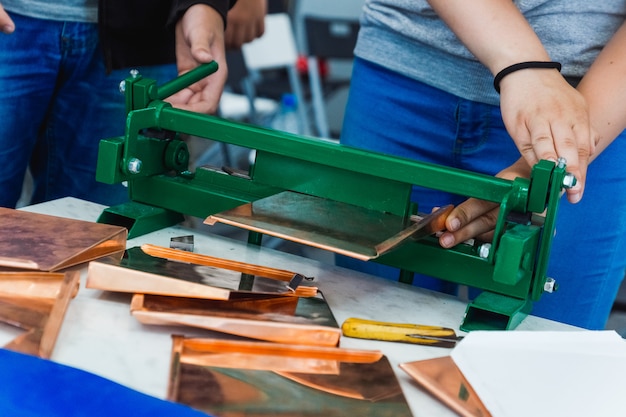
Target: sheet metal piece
[(274, 318), (183, 243), (36, 302), (327, 224), (50, 243), (425, 226), (445, 381), (269, 379), (142, 272)]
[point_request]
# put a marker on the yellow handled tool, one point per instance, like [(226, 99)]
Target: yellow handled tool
[(400, 332)]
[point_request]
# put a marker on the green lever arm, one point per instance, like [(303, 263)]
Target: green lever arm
[(186, 80)]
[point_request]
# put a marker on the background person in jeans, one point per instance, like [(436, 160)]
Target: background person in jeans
[(423, 87), (61, 63)]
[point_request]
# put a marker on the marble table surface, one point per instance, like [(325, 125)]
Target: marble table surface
[(99, 334)]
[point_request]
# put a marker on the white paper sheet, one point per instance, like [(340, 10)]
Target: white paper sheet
[(524, 373)]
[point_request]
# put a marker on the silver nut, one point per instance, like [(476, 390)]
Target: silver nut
[(483, 250), (122, 86), (561, 162), (549, 285), (569, 180), (134, 166), (134, 73)]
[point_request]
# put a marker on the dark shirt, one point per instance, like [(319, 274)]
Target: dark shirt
[(141, 32)]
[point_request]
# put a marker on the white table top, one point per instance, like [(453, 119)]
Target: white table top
[(99, 334)]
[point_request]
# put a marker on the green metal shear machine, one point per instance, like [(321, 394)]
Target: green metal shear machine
[(343, 197)]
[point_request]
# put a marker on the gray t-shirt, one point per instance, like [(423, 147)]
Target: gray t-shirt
[(407, 36), (64, 10)]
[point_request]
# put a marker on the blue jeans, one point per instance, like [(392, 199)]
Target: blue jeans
[(56, 103), (389, 113)]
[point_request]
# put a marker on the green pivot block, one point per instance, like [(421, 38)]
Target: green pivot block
[(491, 311), (139, 218)]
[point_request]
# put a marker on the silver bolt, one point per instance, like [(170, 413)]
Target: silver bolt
[(569, 180), (549, 285), (122, 87), (483, 250), (134, 166), (561, 162)]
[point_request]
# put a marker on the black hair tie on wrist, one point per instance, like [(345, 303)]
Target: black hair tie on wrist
[(523, 65)]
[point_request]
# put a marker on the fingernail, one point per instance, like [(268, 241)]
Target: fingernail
[(574, 198), (7, 29), (447, 240), (455, 224)]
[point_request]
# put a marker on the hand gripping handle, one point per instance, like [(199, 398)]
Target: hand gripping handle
[(186, 79)]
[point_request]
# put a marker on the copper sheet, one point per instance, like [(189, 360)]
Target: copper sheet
[(138, 272), (444, 380), (229, 264), (358, 388), (294, 320), (49, 243), (327, 224), (36, 303)]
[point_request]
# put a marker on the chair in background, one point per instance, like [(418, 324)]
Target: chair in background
[(276, 49), (239, 100), (327, 32)]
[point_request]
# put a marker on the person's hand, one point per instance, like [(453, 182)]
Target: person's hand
[(245, 22), (476, 218), (548, 119), (199, 40), (6, 23)]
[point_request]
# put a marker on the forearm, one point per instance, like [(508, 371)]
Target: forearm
[(495, 31), (179, 7), (545, 116), (604, 88)]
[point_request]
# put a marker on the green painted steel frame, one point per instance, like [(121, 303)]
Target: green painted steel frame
[(512, 275)]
